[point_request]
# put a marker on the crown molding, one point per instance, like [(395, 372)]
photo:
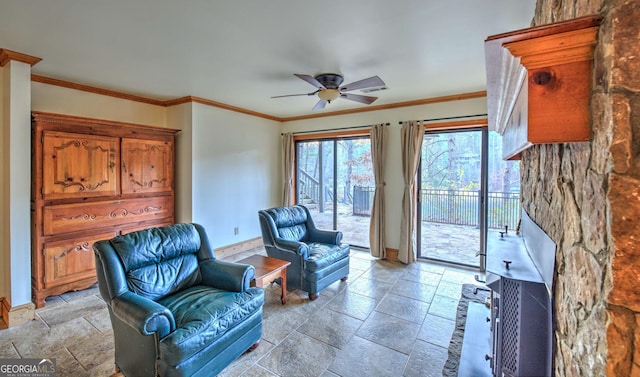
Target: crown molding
[(7, 55), (208, 102), (94, 89)]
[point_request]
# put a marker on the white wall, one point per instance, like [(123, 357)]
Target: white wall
[(236, 172), (60, 100), (393, 174), (180, 117)]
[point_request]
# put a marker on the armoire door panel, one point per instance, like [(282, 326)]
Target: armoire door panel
[(147, 166), (70, 260), (77, 165), (65, 218)]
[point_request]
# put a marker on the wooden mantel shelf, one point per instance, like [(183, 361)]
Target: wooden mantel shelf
[(539, 84)]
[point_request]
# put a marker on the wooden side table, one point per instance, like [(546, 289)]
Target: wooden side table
[(267, 270)]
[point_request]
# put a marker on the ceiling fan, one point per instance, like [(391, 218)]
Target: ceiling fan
[(328, 88)]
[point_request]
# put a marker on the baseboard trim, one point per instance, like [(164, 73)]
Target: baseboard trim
[(392, 254), (236, 248), (17, 315)]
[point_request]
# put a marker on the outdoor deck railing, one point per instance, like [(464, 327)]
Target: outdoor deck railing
[(309, 187), (310, 191), (362, 200), (459, 207)]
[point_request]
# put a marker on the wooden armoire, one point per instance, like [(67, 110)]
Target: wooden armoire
[(92, 180)]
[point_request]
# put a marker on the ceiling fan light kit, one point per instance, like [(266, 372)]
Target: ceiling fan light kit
[(328, 88), (328, 94)]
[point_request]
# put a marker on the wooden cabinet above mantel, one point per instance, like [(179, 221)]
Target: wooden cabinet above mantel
[(539, 84)]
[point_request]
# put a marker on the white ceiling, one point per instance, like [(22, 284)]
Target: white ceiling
[(242, 52)]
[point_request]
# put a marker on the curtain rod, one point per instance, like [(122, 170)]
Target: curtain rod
[(333, 129), (449, 118)]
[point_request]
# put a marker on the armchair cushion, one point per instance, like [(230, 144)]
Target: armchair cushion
[(322, 255), (204, 314)]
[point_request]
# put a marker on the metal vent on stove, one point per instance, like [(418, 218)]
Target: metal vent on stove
[(511, 321)]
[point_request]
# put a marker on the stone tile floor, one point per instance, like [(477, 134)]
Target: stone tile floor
[(388, 319)]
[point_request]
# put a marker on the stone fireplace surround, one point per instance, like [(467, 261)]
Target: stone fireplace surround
[(586, 197)]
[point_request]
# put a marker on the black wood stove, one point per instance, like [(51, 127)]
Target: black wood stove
[(520, 268)]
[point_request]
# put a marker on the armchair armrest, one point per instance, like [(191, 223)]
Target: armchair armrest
[(144, 315), (234, 277), (297, 247), (332, 237)]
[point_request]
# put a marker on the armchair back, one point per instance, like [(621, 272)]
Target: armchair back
[(157, 262), (289, 223)]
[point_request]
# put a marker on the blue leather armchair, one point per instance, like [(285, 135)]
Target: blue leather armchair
[(175, 309), (318, 258)]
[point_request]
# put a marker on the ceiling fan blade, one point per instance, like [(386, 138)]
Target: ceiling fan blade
[(362, 84), (296, 95), (320, 105), (310, 79), (358, 98)]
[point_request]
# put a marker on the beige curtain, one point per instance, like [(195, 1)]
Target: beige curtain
[(378, 155), (411, 139), (289, 154)]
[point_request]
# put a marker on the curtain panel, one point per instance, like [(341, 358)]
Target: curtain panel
[(289, 154), (378, 138), (412, 134)]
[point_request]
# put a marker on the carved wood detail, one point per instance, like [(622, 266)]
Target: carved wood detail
[(68, 260), (66, 218)]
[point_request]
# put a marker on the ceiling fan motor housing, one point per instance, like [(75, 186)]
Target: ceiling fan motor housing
[(330, 80)]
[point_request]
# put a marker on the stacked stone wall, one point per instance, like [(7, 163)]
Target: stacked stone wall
[(586, 196)]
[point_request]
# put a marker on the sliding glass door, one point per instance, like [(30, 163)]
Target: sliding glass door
[(334, 179), (450, 196), (466, 191)]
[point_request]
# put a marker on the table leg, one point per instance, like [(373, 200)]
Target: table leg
[(283, 298)]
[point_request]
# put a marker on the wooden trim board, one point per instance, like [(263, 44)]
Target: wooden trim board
[(17, 315), (4, 313), (7, 55), (392, 254)]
